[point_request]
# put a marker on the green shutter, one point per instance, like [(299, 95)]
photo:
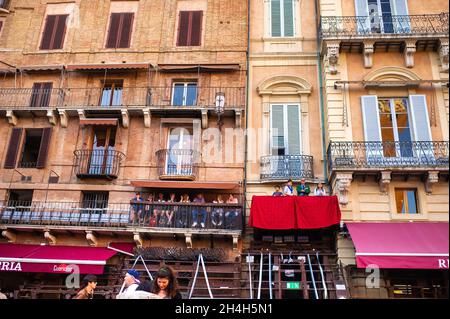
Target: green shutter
[(293, 119), (276, 18), (288, 18)]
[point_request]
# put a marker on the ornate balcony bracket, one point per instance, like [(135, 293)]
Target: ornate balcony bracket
[(147, 117), (189, 241), (51, 117), (238, 115), (138, 239), (9, 235), (91, 238), (12, 119), (384, 181), (343, 182), (204, 119), (443, 55), (235, 242), (64, 118), (432, 178), (333, 56), (51, 239), (368, 54), (410, 49), (81, 114), (125, 118)]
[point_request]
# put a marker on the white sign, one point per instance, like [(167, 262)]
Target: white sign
[(250, 259), (10, 266), (340, 287)]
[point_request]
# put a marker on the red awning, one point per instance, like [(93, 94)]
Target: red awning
[(198, 67), (41, 68), (188, 185), (112, 122), (293, 212), (57, 259), (401, 245), (110, 66)]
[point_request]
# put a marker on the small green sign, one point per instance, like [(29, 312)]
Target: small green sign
[(293, 285)]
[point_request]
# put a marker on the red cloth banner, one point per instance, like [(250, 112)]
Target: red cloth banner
[(294, 212)]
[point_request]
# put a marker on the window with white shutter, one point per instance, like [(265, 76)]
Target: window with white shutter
[(285, 129), (382, 16), (282, 18)]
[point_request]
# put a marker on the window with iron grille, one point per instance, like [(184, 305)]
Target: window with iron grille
[(95, 200)]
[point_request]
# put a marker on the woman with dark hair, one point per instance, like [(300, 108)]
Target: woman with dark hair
[(87, 287), (165, 284)]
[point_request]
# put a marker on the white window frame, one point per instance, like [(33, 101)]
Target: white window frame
[(185, 87), (294, 9), (285, 126)]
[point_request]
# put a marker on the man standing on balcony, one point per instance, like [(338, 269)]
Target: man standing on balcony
[(288, 189), (199, 211), (137, 208), (303, 189)]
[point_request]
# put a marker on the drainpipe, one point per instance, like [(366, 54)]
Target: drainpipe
[(244, 215), (321, 98)]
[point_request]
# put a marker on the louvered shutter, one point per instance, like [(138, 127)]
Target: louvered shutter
[(43, 149), (196, 28), (48, 32), (113, 32), (362, 15), (275, 18), (1, 26), (402, 23), (13, 148), (183, 28), (59, 32), (421, 126), (277, 127), (293, 122), (126, 30), (288, 18), (372, 129), (46, 93)]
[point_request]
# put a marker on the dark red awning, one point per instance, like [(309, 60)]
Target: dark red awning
[(57, 259), (417, 245), (111, 122), (294, 212), (106, 66), (199, 67)]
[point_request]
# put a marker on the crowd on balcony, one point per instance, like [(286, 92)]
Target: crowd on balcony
[(160, 211), (302, 189)]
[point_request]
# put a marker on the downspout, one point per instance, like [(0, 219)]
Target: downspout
[(321, 99), (244, 215)]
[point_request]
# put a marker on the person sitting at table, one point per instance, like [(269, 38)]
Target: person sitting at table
[(288, 189), (303, 189)]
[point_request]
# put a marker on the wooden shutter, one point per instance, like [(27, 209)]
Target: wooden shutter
[(362, 13), (125, 30), (277, 127), (275, 17), (293, 123), (196, 28), (41, 94), (372, 127), (113, 33), (50, 24), (420, 120), (288, 7), (59, 32), (183, 28), (13, 148), (1, 26), (43, 149)]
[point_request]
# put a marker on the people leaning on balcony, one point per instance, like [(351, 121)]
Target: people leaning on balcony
[(320, 191), (232, 213), (137, 208), (278, 191), (171, 210), (217, 213), (303, 189), (158, 212), (199, 211), (289, 189), (148, 210), (182, 216)]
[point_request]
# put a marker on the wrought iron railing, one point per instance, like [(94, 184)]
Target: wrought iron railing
[(178, 163), (379, 26), (143, 214), (4, 4), (286, 166), (127, 97), (97, 163), (360, 155)]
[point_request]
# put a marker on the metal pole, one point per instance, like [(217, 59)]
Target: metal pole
[(206, 276), (270, 276), (250, 276), (195, 278), (312, 277), (260, 275), (325, 290)]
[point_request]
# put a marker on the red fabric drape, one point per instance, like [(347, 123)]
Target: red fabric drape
[(293, 212)]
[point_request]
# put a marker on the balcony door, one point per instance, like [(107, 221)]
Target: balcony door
[(184, 94), (111, 94), (102, 151), (179, 160), (41, 94)]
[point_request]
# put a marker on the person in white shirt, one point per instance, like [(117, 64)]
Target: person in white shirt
[(320, 191), (289, 189), (131, 281)]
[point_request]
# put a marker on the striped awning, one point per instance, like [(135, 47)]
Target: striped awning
[(108, 66), (198, 67)]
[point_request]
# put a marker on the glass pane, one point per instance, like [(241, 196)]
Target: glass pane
[(277, 129), (117, 97), (178, 94), (411, 196), (374, 16), (387, 16), (106, 96), (399, 201), (191, 94), (99, 138)]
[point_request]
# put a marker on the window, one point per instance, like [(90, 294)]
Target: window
[(41, 94), (180, 159), (95, 200), (282, 18), (285, 129), (20, 197), (406, 201), (35, 145), (120, 29), (1, 27), (112, 93), (54, 32), (184, 94), (190, 28), (102, 159)]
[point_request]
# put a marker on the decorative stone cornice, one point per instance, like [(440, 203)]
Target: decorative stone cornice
[(125, 118), (188, 241), (238, 115), (91, 238), (204, 119), (343, 182), (8, 234), (368, 54), (64, 118), (12, 118), (384, 181), (147, 117), (443, 54), (138, 239), (432, 178), (51, 239), (333, 56), (51, 117), (410, 49)]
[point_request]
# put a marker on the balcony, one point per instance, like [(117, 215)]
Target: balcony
[(102, 164), (281, 168), (155, 217), (178, 164), (373, 156)]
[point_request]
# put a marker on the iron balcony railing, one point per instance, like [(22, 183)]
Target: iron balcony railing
[(127, 97), (178, 164), (363, 155), (4, 4), (386, 25), (98, 163), (162, 215), (286, 167)]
